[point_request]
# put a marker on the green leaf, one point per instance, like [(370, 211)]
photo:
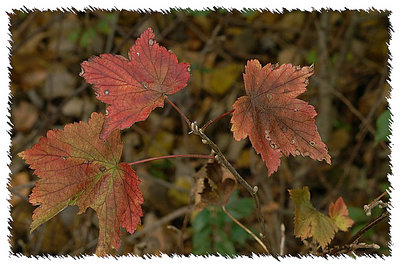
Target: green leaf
[(311, 57), (383, 127), (239, 208), (202, 220), (323, 228), (223, 245), (239, 235), (202, 233)]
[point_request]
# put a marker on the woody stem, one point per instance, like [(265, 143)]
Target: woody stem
[(222, 160)]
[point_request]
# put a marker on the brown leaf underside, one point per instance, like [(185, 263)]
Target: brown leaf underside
[(214, 185), (75, 167)]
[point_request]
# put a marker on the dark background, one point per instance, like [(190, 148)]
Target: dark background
[(350, 54)]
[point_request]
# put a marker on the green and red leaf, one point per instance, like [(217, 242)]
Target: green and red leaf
[(308, 222), (276, 122), (135, 87), (76, 167), (340, 214)]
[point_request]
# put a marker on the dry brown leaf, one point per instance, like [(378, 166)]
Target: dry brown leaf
[(214, 185)]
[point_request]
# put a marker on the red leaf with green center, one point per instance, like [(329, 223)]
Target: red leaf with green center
[(340, 214), (76, 167), (276, 122), (135, 87), (308, 222)]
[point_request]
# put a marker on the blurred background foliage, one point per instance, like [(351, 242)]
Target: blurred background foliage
[(349, 90)]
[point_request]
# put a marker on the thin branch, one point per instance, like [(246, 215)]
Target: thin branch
[(252, 190), (357, 236), (246, 229), (199, 156), (353, 243), (219, 156)]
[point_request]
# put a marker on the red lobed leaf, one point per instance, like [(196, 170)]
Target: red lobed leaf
[(75, 167), (135, 87), (340, 214), (276, 122)]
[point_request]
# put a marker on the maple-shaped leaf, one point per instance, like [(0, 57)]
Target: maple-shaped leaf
[(340, 214), (308, 222), (134, 87), (275, 121), (75, 167)]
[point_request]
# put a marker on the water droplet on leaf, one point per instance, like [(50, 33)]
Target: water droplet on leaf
[(296, 110), (151, 41), (274, 66), (106, 92), (144, 84), (188, 69), (273, 145), (269, 97), (312, 143), (297, 152), (292, 141), (102, 169), (267, 135)]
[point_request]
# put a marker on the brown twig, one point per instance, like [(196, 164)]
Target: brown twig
[(246, 229), (369, 226), (282, 245), (50, 23)]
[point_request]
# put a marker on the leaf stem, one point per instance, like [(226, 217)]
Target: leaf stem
[(216, 119), (178, 110), (246, 229), (199, 156)]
